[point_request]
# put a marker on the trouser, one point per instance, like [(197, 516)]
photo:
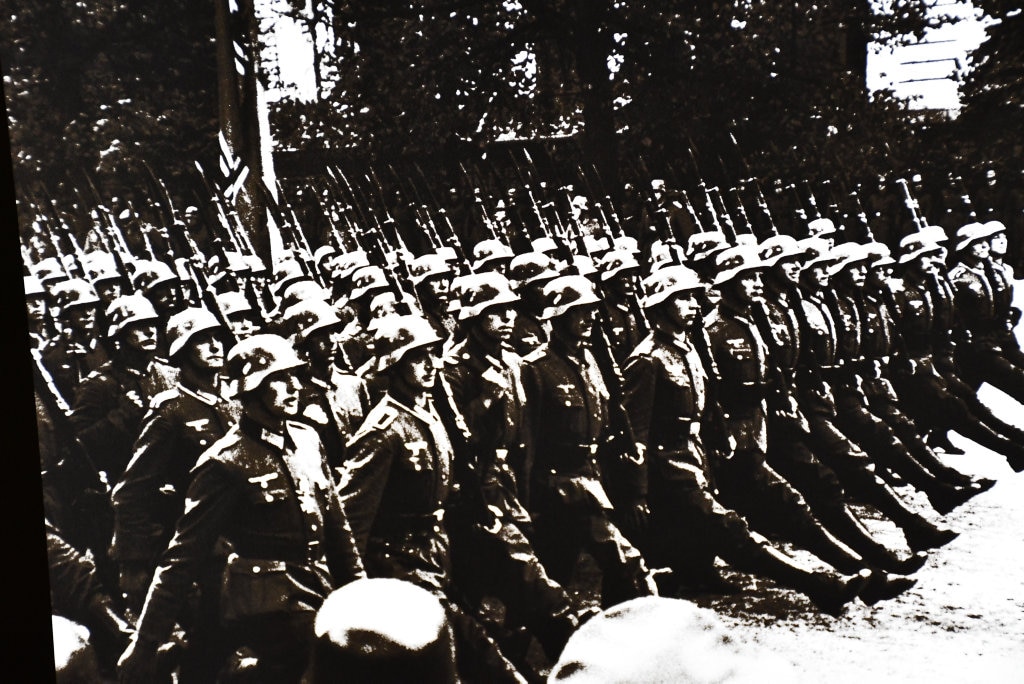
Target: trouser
[(878, 440), (689, 527), (935, 404), (983, 363), (423, 558), (561, 532), (773, 507), (502, 563), (789, 456)]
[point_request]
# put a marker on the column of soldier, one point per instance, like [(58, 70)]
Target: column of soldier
[(219, 459)]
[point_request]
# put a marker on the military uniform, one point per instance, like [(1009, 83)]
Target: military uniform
[(395, 486), (70, 362), (568, 410), (181, 424), (270, 499), (335, 410)]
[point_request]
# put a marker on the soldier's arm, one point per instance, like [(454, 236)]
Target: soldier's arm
[(341, 551), (102, 411), (363, 480), (138, 494), (482, 413), (639, 376), (211, 498)]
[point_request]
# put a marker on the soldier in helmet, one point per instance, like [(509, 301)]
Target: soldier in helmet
[(334, 402), (240, 315), (491, 255), (397, 482), (485, 408), (180, 425), (1002, 277), (666, 386), (265, 493), (617, 273), (431, 282), (568, 412), (161, 286), (529, 273), (746, 482), (981, 320), (75, 352), (38, 316), (356, 339)]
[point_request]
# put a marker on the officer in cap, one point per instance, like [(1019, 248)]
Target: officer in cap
[(397, 481), (665, 394), (180, 425), (568, 413), (264, 490), (75, 352), (485, 408), (746, 482)]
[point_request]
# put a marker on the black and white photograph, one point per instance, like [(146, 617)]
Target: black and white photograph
[(457, 341)]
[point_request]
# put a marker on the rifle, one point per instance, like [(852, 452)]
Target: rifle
[(730, 233), (911, 204)]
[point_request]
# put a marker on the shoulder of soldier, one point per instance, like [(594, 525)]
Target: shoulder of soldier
[(161, 400), (456, 354), (960, 271), (380, 418), (647, 348), (302, 432), (227, 452), (537, 355)]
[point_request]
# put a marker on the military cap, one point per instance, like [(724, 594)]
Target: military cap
[(151, 273), (703, 245), (736, 260), (253, 360), (381, 306), (626, 243), (382, 630), (367, 279), (348, 263), (34, 287), (324, 253), (669, 281), (917, 246), (820, 226), (566, 292), (399, 334), (128, 309), (50, 270), (995, 226), (596, 246), (483, 290), (309, 316), (232, 302), (487, 251), (973, 232), (778, 248), (665, 254), (183, 326), (615, 262), (531, 267), (879, 254), (583, 265), (847, 254), (286, 272), (301, 290), (72, 293), (428, 266), (544, 245), (100, 267)]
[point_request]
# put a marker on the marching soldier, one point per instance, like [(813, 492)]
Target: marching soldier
[(356, 339), (1002, 277), (482, 387), (180, 425), (264, 491), (397, 482), (75, 352), (746, 483), (568, 411), (529, 273), (665, 392), (618, 272), (162, 287), (430, 275), (38, 317)]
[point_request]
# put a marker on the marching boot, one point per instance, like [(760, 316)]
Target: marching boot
[(924, 535), (881, 587)]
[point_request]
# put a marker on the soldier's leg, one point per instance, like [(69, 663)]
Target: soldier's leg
[(624, 573), (857, 474), (977, 408), (821, 488), (878, 440), (772, 506), (988, 365), (936, 406)]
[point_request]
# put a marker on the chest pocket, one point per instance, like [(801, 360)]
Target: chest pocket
[(268, 489), (569, 413)]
